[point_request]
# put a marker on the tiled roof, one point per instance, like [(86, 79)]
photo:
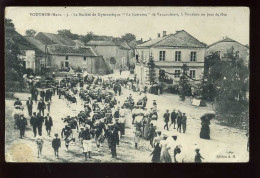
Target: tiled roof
[(40, 46), (100, 43), (78, 43), (120, 44), (50, 38), (226, 40), (70, 50), (179, 39)]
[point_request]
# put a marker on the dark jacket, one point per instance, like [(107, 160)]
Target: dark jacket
[(33, 121), (173, 116), (179, 118), (48, 123), (116, 114), (56, 143), (41, 105), (42, 94), (166, 117), (22, 122), (112, 138), (29, 103)]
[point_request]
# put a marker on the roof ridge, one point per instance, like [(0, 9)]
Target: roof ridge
[(163, 38), (184, 40), (225, 41), (190, 36)]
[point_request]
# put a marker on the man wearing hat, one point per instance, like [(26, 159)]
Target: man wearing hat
[(112, 139), (179, 118), (67, 132), (56, 144), (85, 136), (184, 122), (41, 106), (22, 122), (48, 124), (166, 117), (29, 104), (173, 118)]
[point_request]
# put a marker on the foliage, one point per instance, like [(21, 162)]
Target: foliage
[(113, 60), (88, 37), (67, 34), (152, 74), (13, 64), (227, 81), (128, 37), (29, 72), (184, 84), (30, 33)]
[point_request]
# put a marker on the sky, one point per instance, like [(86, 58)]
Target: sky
[(207, 24)]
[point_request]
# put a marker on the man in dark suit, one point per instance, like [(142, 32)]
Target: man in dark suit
[(173, 118), (42, 94), (41, 106), (166, 117), (48, 124), (22, 122), (34, 123), (113, 139), (29, 104), (39, 122)]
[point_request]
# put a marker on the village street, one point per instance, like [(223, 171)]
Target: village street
[(226, 144)]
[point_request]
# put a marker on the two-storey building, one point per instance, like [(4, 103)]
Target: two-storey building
[(112, 50), (225, 44), (169, 53)]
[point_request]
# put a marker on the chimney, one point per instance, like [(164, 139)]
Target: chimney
[(141, 40), (150, 38), (159, 35), (164, 33)]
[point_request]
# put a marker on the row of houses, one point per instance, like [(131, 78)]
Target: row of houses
[(51, 51), (171, 51)]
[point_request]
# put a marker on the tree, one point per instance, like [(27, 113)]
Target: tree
[(67, 34), (151, 73), (229, 78), (88, 37), (128, 37), (30, 33), (184, 84), (13, 64)]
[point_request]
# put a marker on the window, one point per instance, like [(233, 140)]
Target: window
[(67, 57), (85, 58), (177, 56), (66, 64), (193, 56), (162, 55), (192, 73), (177, 73)]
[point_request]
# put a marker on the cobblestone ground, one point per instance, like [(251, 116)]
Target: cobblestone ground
[(227, 144)]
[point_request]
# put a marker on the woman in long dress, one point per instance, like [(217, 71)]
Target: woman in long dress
[(165, 155)]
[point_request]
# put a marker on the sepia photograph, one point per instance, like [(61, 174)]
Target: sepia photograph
[(130, 84)]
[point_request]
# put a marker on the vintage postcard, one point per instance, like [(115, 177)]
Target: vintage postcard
[(127, 84)]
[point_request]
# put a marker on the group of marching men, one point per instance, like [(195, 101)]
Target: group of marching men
[(97, 122)]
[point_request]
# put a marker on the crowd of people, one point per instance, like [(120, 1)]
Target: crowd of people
[(100, 119)]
